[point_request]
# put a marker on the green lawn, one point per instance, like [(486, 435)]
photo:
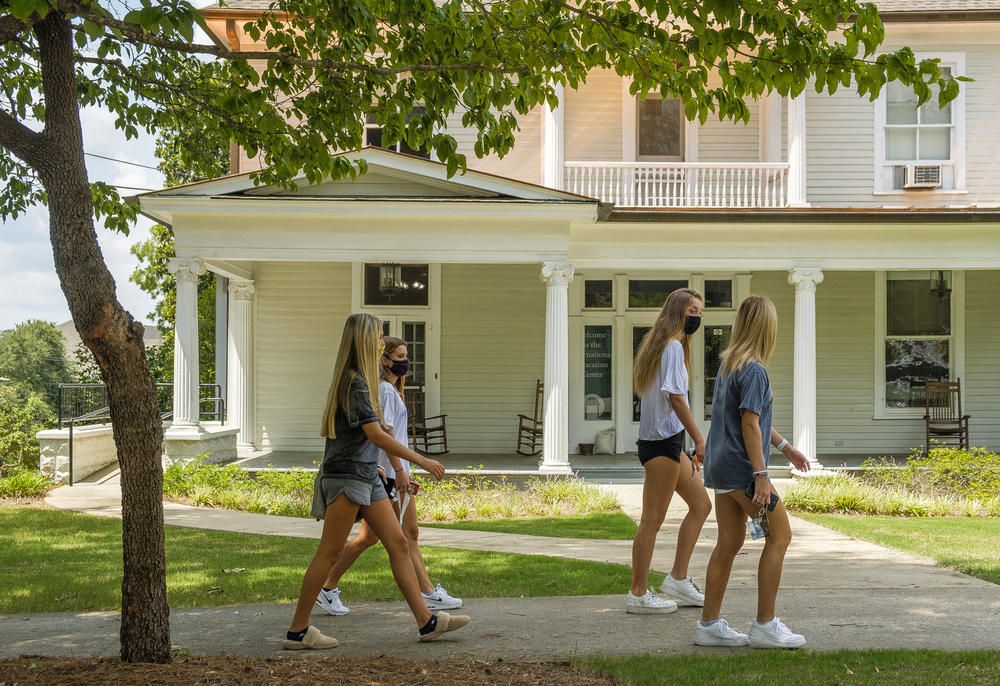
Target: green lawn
[(966, 544), (53, 561), (772, 667), (605, 525)]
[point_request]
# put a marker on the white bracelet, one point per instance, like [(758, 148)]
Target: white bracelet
[(784, 442)]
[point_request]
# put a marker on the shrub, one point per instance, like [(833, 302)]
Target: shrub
[(20, 482), (943, 471), (23, 413)]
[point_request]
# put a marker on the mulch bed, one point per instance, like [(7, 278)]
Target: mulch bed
[(227, 670)]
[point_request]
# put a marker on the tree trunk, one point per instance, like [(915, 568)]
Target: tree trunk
[(115, 339)]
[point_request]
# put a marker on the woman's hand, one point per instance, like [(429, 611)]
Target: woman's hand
[(796, 458), (699, 453), (761, 490), (435, 468), (402, 481)]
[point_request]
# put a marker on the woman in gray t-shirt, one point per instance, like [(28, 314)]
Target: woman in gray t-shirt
[(736, 464)]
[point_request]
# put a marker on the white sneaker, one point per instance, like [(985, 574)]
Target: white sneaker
[(648, 604), (684, 590), (330, 601), (438, 599), (774, 634), (718, 634)]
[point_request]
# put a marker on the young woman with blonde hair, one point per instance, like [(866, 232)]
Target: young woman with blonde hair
[(736, 467), (348, 485), (395, 365), (661, 379)]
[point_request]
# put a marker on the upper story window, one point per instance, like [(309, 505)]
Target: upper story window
[(373, 137), (659, 129), (920, 148)]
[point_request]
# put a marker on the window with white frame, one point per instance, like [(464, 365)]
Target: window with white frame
[(659, 129), (919, 332), (920, 147), (374, 135)]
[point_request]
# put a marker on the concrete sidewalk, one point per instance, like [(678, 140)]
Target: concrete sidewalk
[(839, 592)]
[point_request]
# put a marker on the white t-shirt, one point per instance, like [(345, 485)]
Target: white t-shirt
[(657, 419), (396, 416)]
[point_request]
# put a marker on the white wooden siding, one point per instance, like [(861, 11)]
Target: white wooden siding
[(729, 141), (592, 118), (523, 162), (300, 313), (492, 352), (982, 357), (840, 149)]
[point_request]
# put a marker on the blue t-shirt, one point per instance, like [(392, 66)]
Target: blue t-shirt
[(727, 464), (351, 455)]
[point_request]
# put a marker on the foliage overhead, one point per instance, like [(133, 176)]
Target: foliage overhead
[(317, 67)]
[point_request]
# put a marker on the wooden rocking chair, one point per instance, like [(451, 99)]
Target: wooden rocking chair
[(943, 414), (529, 429), (428, 435)]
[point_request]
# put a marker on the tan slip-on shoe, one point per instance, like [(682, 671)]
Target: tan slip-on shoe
[(445, 623), (313, 640)]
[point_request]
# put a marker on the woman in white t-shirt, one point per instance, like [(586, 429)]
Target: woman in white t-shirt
[(395, 365), (660, 376)]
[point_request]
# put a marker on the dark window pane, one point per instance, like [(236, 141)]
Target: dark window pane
[(716, 340), (908, 364), (637, 334), (598, 293), (918, 303), (660, 124), (597, 400), (373, 137), (409, 289), (719, 293), (652, 293), (414, 335)]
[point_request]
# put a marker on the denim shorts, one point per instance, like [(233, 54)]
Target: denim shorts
[(326, 490), (669, 448)]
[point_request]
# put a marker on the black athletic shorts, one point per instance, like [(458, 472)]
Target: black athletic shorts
[(664, 447)]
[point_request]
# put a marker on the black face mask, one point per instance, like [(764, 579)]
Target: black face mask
[(691, 324)]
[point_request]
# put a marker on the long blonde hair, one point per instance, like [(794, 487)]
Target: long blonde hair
[(391, 343), (753, 336), (358, 355), (669, 326)]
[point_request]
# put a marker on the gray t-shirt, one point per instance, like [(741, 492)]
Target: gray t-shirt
[(657, 419), (727, 464), (351, 455)]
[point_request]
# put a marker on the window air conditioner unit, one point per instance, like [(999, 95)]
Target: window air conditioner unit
[(919, 176)]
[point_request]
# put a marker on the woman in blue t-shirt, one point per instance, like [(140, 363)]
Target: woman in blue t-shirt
[(735, 465), (348, 485), (661, 379)]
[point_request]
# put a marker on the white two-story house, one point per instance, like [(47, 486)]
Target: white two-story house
[(873, 226)]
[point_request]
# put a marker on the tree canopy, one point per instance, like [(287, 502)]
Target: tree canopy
[(32, 354)]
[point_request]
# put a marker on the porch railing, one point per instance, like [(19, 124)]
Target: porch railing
[(87, 402), (680, 184)]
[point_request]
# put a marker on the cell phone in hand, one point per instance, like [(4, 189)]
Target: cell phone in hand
[(751, 489)]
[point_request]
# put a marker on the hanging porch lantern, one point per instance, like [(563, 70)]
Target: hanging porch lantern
[(390, 278)]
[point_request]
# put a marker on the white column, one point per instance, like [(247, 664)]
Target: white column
[(555, 451), (769, 131), (239, 375), (186, 273), (797, 151), (553, 150), (804, 382), (221, 327)]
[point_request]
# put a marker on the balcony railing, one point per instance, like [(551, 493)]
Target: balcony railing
[(680, 184)]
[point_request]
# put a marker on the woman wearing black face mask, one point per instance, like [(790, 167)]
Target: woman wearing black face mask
[(395, 366), (660, 376)]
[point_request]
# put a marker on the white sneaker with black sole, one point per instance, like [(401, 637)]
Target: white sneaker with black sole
[(330, 601), (683, 590), (774, 634), (439, 599), (719, 634), (648, 603)]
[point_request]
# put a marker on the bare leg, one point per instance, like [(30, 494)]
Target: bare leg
[(661, 477), (772, 558), (731, 519), (692, 491), (412, 531), (337, 525), (382, 519), (365, 539)]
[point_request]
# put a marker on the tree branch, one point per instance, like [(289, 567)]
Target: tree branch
[(21, 141), (11, 27)]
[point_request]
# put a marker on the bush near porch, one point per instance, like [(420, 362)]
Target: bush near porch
[(463, 497), (945, 482)]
